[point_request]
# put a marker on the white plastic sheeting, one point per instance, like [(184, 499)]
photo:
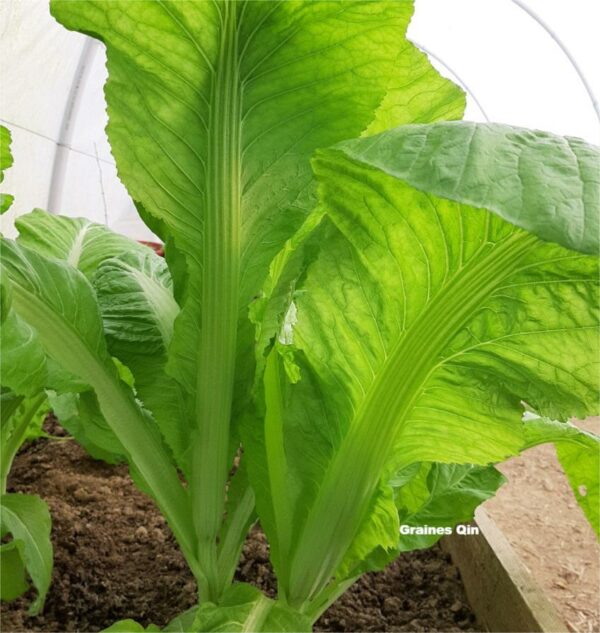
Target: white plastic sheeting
[(53, 104), (51, 91)]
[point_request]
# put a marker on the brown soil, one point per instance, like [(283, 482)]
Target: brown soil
[(538, 514), (115, 558)]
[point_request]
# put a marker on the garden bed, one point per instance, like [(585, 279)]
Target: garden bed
[(538, 514), (116, 558)]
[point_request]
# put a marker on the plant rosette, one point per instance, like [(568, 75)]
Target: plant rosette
[(359, 292)]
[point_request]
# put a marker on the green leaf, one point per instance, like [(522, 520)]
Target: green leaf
[(420, 329), (6, 161), (452, 492), (24, 421), (77, 241), (138, 311), (579, 454), (9, 403), (6, 200), (288, 54), (183, 622), (27, 519), (24, 365), (80, 415), (449, 496), (22, 359), (130, 626), (426, 494), (136, 300), (267, 312), (244, 608), (582, 465), (13, 579), (59, 303), (378, 541), (497, 167)]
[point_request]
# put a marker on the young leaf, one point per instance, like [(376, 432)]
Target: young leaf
[(9, 403), (23, 421), (240, 515), (27, 519), (6, 161)]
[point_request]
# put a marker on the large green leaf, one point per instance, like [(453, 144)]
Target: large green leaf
[(298, 74), (420, 328), (284, 68), (226, 102), (79, 242), (499, 168), (6, 161), (58, 302), (27, 520)]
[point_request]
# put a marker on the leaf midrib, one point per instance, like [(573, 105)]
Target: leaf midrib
[(76, 249), (216, 354)]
